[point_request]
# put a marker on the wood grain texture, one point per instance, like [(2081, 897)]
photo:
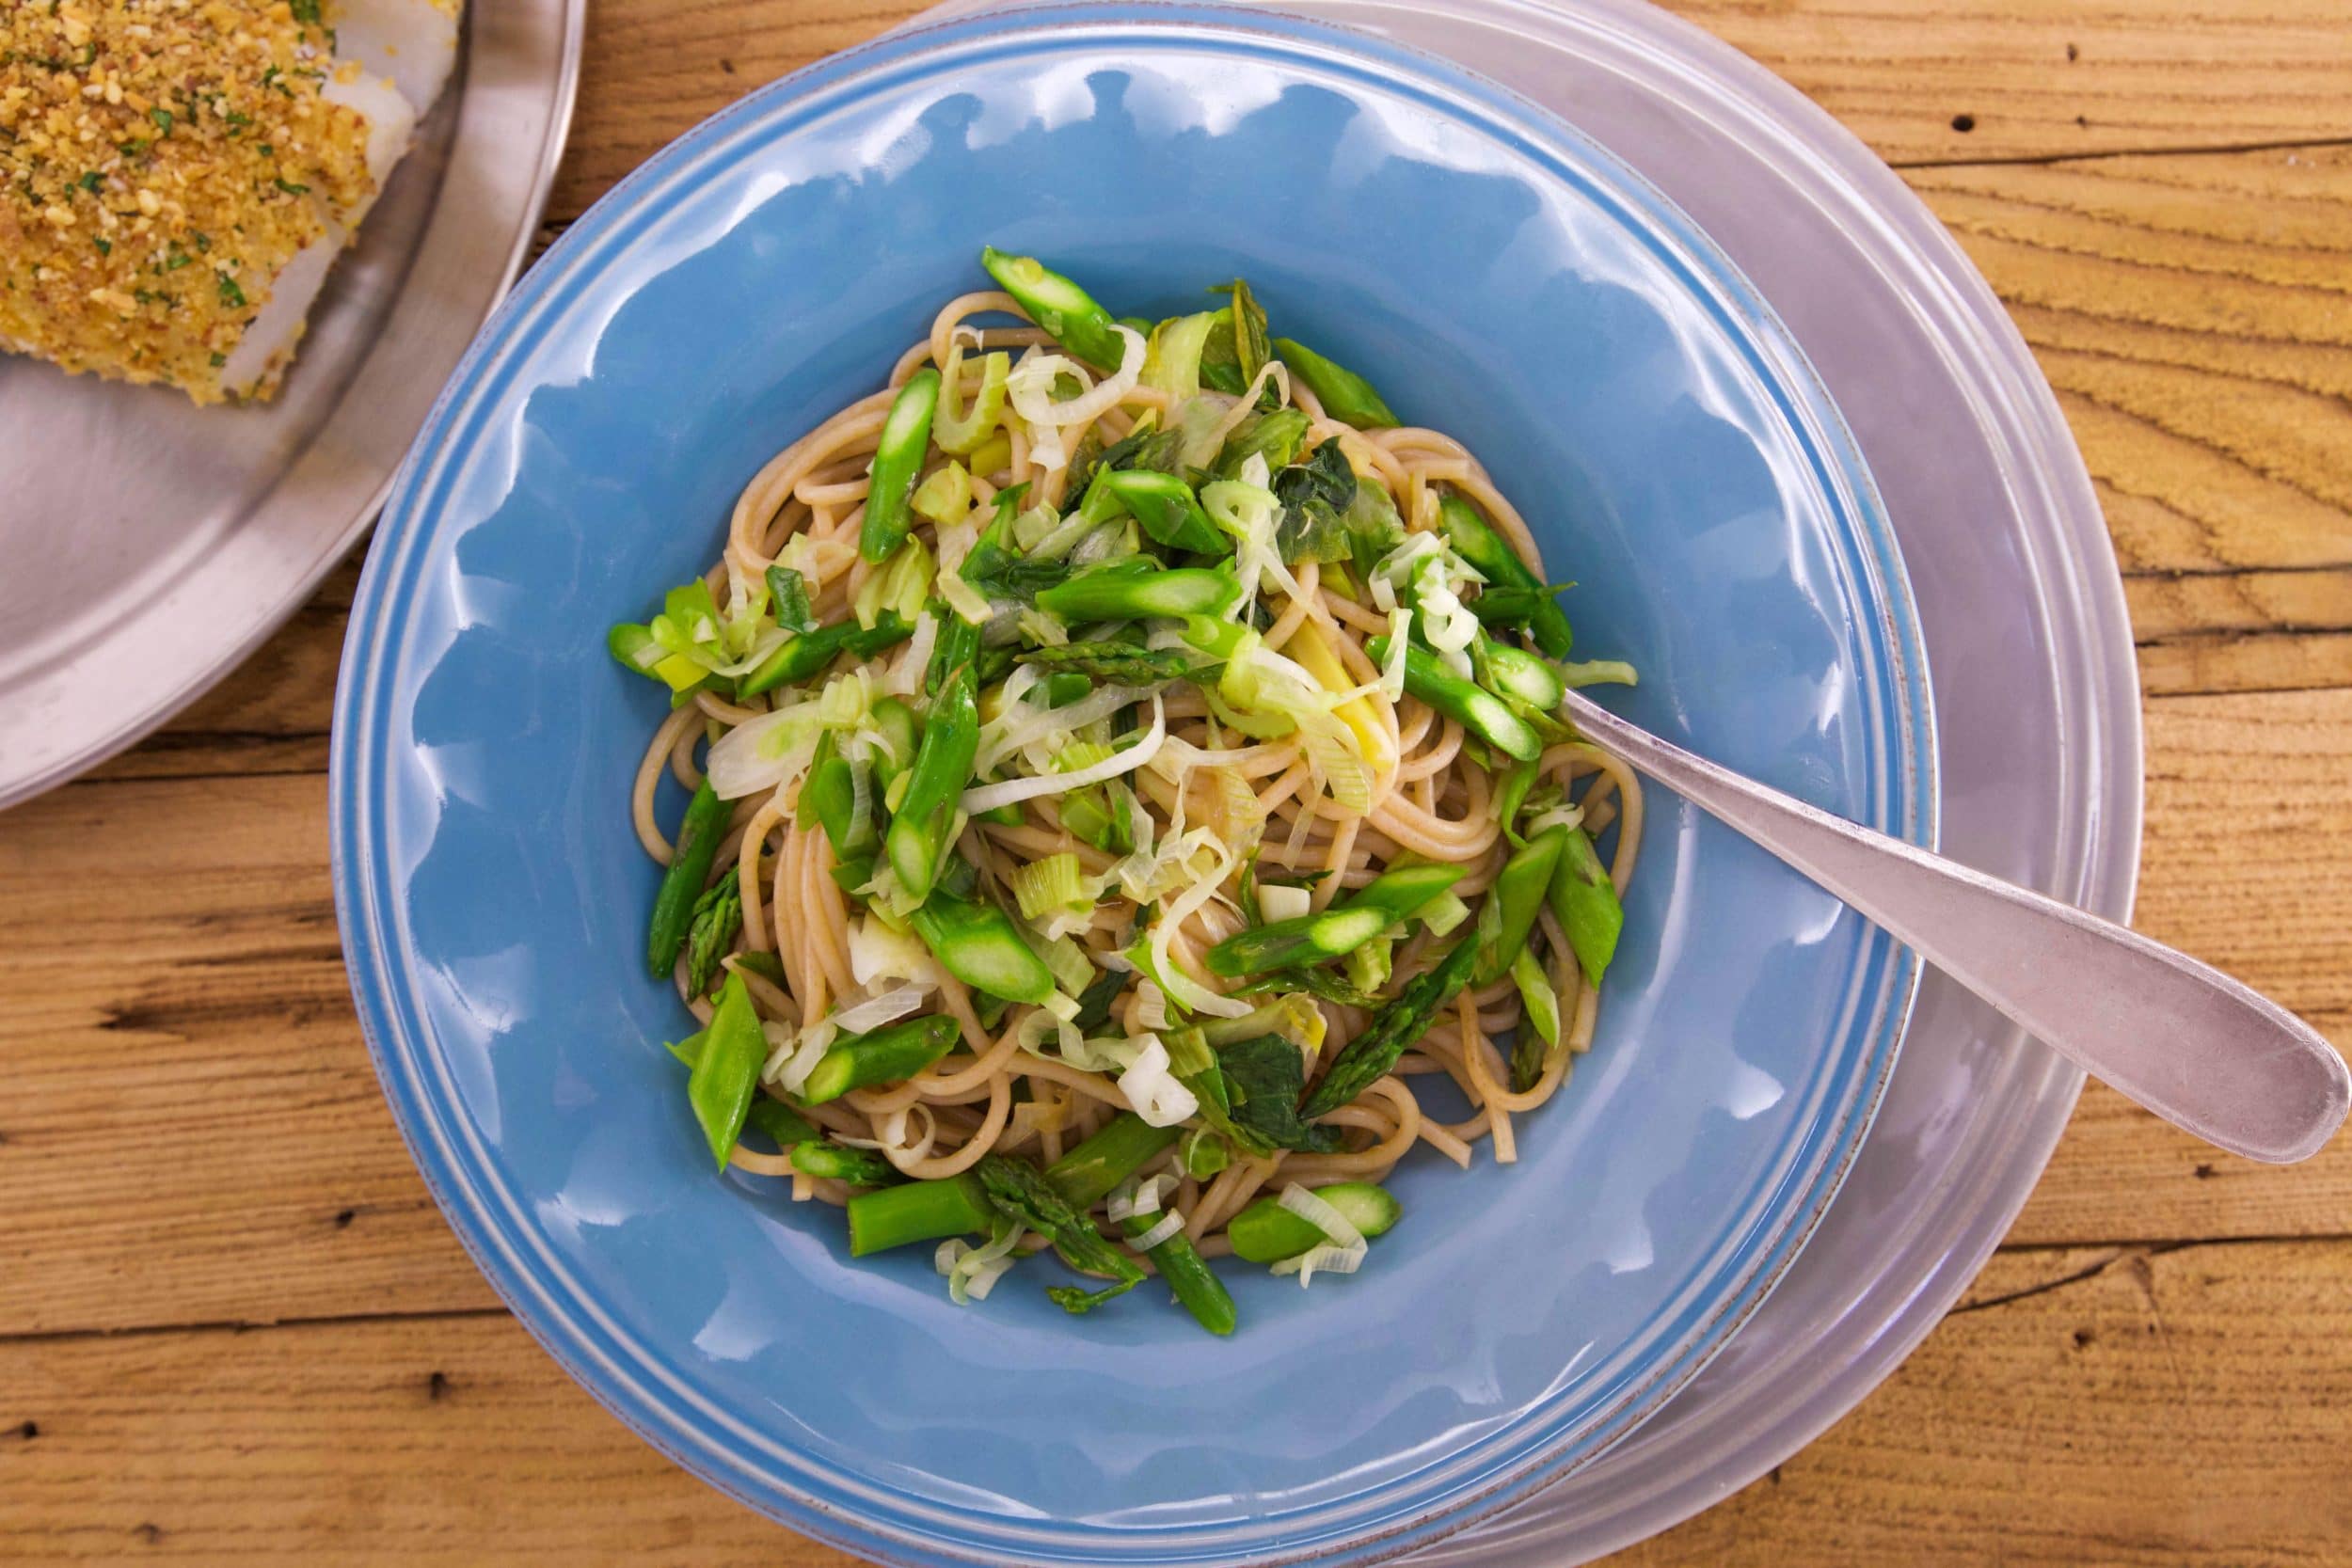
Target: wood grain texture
[(1983, 79), (654, 68), (2008, 1437), (2026, 79), (446, 1441), (2195, 315), (2132, 1408), (189, 1129), (190, 1134)]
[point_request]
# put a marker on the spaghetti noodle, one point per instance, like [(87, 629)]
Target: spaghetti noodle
[(1126, 765)]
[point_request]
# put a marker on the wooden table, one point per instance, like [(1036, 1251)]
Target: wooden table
[(232, 1327)]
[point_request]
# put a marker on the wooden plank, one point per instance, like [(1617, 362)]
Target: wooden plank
[(2191, 313), (2013, 1435), (449, 1440), (2248, 864), (1989, 79), (2120, 1174), (2181, 1409), (189, 1132), (653, 69), (189, 1129), (2039, 78), (188, 1122)]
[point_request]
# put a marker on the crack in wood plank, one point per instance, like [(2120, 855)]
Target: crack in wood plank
[(2137, 150)]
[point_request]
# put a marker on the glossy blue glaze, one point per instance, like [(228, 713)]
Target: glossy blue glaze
[(1497, 278)]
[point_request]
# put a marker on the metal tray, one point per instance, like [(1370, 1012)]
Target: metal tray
[(147, 546)]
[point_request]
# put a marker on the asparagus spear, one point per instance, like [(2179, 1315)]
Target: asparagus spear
[(1541, 1006), (831, 795), (957, 646), (1517, 674), (1325, 984), (634, 645), (698, 838), (1519, 893), (920, 829), (1126, 1144), (858, 1167), (906, 433), (1096, 503), (1123, 663), (1165, 507), (1481, 712), (1344, 395), (917, 1212), (1477, 543), (1266, 1232), (781, 1122), (1308, 940), (773, 1118), (718, 917), (1021, 1193), (1389, 900), (1511, 796), (1131, 591), (884, 1055), (1187, 1275), (1085, 1176), (1065, 310), (1219, 638), (979, 946), (1394, 1027), (810, 652)]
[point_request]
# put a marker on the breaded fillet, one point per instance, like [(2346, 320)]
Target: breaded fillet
[(181, 174)]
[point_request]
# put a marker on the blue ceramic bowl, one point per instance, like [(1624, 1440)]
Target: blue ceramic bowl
[(1497, 277)]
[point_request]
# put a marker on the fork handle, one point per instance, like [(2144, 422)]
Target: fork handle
[(2199, 1049)]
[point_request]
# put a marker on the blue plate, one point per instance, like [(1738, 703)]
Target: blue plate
[(1498, 277)]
